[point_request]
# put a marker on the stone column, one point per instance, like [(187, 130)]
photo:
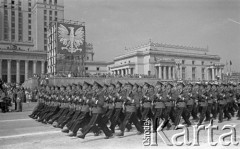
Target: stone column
[(180, 73), (0, 68), (42, 67), (9, 71), (206, 74), (160, 72), (34, 67), (213, 75), (26, 70), (164, 73), (17, 71), (169, 73), (220, 73), (173, 71)]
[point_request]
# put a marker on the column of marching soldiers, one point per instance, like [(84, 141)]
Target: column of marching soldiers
[(82, 108)]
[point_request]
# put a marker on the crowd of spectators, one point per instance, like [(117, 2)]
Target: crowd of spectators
[(103, 75)]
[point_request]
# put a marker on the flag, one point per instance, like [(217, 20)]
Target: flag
[(230, 62)]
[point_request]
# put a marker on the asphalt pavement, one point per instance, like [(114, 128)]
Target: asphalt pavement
[(18, 131)]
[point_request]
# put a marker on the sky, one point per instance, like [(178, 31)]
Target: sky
[(112, 25)]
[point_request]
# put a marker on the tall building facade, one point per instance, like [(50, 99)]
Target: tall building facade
[(45, 12), (169, 62), (23, 36)]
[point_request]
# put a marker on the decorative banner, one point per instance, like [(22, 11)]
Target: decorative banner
[(70, 38)]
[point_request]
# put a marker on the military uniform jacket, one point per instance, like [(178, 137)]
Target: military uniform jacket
[(85, 102), (130, 103), (180, 101), (98, 102), (158, 101), (120, 99), (147, 99)]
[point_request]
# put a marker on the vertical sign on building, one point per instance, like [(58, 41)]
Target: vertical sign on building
[(66, 48)]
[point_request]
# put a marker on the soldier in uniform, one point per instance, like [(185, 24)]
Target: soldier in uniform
[(130, 110), (78, 106), (98, 117), (148, 94), (158, 105), (110, 101), (84, 116), (181, 109), (203, 97), (190, 102), (221, 102), (118, 102), (210, 100)]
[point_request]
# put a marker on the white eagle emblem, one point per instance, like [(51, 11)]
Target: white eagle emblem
[(69, 39)]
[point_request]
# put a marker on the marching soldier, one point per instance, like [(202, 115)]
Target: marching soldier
[(84, 116), (148, 94), (118, 99), (203, 96), (181, 109), (158, 105), (210, 100), (98, 117), (130, 116)]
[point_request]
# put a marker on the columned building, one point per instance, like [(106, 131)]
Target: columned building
[(16, 66), (169, 62)]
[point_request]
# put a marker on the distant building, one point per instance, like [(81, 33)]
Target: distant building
[(169, 62)]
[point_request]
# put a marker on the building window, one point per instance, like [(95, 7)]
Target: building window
[(50, 12), (183, 73), (86, 68), (13, 13), (45, 41), (183, 61), (29, 4), (20, 15), (44, 1), (29, 32), (50, 1), (98, 68), (45, 11), (55, 19), (56, 13), (87, 58), (203, 74), (45, 17), (45, 24), (29, 38), (45, 48), (29, 9), (45, 29), (29, 26), (193, 62), (193, 73), (13, 37), (202, 62), (29, 21), (29, 15), (50, 18), (55, 2)]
